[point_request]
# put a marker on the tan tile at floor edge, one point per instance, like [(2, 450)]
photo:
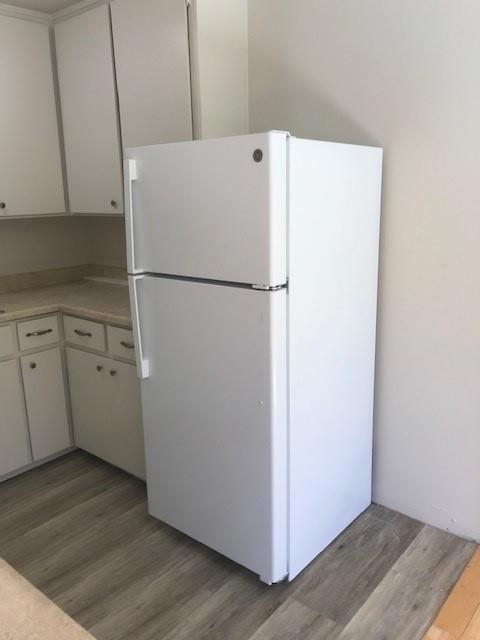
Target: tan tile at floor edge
[(473, 630), (463, 601), (27, 614), (434, 633)]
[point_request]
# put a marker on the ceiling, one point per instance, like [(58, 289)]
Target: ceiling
[(49, 6)]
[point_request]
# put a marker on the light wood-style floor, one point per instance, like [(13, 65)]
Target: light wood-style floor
[(459, 618), (78, 529)]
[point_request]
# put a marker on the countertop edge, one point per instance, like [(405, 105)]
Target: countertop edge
[(83, 312)]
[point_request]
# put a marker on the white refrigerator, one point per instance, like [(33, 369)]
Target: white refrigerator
[(253, 266)]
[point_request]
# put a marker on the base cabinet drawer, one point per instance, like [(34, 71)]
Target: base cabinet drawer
[(106, 410), (39, 332), (84, 333), (120, 343), (46, 403), (14, 447)]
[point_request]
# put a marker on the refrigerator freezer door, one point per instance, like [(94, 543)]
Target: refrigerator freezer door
[(213, 209), (214, 416)]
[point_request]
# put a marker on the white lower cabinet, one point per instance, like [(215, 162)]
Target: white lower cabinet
[(106, 412), (14, 449), (45, 400)]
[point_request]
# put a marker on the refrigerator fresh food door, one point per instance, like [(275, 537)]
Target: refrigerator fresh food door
[(214, 416), (213, 209)]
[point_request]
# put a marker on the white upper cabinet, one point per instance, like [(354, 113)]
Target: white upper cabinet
[(153, 74), (90, 121), (30, 166)]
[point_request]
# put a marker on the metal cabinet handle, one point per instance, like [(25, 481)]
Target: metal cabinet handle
[(99, 367), (114, 203), (127, 345), (33, 365), (85, 334), (113, 372), (2, 205), (40, 332)]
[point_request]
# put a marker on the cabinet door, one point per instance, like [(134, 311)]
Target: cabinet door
[(46, 404), (14, 448), (90, 122), (106, 410), (92, 422), (30, 166), (153, 73), (128, 449)]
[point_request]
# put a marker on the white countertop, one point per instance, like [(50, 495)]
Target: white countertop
[(104, 302)]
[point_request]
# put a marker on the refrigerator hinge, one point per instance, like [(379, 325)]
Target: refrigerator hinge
[(266, 287)]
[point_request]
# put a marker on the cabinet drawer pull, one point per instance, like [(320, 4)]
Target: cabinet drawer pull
[(84, 334), (127, 345), (41, 332), (2, 205), (112, 372), (33, 365), (99, 367)]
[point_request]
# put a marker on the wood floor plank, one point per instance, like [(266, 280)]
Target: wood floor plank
[(436, 556), (434, 633), (28, 487), (463, 601), (79, 529), (109, 539), (155, 603), (55, 500), (235, 611), (404, 603), (295, 620), (472, 632), (400, 608), (340, 580), (50, 536)]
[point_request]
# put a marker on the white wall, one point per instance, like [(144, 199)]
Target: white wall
[(48, 243), (219, 67), (404, 75), (106, 241), (42, 243)]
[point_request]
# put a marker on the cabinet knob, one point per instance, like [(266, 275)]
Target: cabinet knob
[(2, 205), (113, 372), (33, 365), (99, 367), (114, 203)]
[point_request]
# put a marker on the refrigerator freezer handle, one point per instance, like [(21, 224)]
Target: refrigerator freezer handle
[(143, 368), (130, 177)]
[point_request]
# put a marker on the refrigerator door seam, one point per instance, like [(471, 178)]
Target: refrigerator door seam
[(220, 283), (266, 287)]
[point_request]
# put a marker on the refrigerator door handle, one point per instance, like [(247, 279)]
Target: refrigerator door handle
[(130, 177), (143, 366)]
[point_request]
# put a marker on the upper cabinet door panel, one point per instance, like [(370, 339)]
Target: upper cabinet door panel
[(153, 75), (30, 165), (90, 122)]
